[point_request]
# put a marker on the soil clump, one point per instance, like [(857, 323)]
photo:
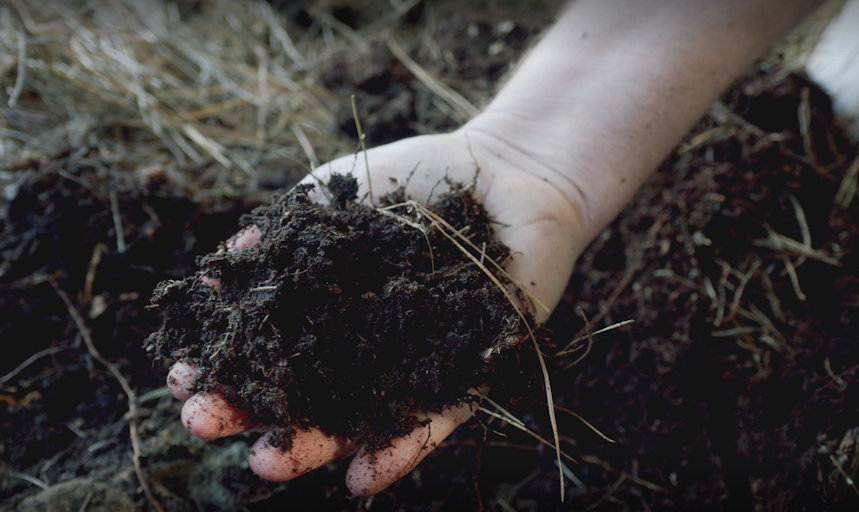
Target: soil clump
[(709, 411), (346, 317)]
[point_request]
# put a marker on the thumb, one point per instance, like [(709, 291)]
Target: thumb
[(372, 472)]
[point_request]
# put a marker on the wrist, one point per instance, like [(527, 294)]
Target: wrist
[(613, 87), (573, 160), (510, 139)]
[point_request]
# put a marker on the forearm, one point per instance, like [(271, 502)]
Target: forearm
[(615, 85)]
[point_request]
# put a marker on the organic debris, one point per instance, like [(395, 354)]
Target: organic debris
[(345, 317)]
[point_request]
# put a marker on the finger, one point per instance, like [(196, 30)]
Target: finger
[(180, 380), (310, 450), (209, 416), (370, 473), (394, 165), (247, 237), (214, 282)]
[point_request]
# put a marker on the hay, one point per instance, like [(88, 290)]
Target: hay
[(219, 88)]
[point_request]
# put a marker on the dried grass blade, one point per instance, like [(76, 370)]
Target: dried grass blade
[(404, 7), (589, 336), (344, 29), (22, 70), (611, 327), (847, 188), (562, 408), (549, 399), (495, 264), (306, 146), (461, 105), (738, 293), (211, 147), (780, 242), (363, 147), (126, 388), (523, 428)]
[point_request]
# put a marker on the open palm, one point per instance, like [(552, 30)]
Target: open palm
[(535, 219)]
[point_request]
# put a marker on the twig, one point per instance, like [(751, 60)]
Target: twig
[(363, 148), (126, 388), (30, 360)]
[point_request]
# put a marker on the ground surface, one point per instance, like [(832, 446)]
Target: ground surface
[(734, 389)]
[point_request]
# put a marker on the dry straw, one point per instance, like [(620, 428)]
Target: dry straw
[(218, 87)]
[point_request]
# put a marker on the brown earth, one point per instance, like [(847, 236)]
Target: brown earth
[(735, 388)]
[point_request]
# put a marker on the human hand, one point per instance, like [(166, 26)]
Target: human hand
[(539, 219)]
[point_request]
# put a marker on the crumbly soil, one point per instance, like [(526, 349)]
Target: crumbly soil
[(346, 317), (709, 410)]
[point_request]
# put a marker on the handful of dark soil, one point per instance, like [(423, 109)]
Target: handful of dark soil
[(345, 317)]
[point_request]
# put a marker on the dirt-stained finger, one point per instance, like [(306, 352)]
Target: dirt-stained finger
[(310, 450), (368, 475), (180, 380), (247, 237), (209, 416)]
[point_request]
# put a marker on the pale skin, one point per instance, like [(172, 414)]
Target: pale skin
[(588, 115)]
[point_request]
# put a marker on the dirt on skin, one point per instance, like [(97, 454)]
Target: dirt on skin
[(705, 417), (346, 317)]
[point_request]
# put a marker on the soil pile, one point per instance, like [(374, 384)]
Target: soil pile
[(345, 317)]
